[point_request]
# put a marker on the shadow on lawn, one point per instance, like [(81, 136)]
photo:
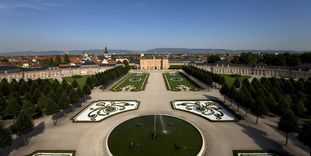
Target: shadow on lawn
[(19, 141)]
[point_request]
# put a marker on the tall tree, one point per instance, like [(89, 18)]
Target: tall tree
[(23, 124), (5, 136), (80, 92), (271, 102), (74, 84), (248, 101), (288, 124), (66, 59), (259, 108), (28, 108), (305, 134), (237, 83), (2, 104), (299, 108), (86, 90), (13, 107), (47, 105), (89, 82), (58, 60), (213, 58), (63, 101), (4, 87)]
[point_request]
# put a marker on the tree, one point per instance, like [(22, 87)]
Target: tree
[(4, 87), (288, 124), (5, 136), (66, 59), (23, 124), (80, 92), (86, 90), (213, 58), (74, 84), (47, 105), (284, 104), (28, 108), (13, 107), (2, 104), (73, 96), (237, 83), (58, 60), (63, 101), (271, 102), (51, 107), (299, 108), (248, 101), (50, 62), (258, 108), (125, 62), (224, 89), (89, 82), (305, 134), (64, 84)]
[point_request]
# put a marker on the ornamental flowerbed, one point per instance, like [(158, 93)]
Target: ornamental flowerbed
[(176, 81), (255, 153), (100, 110), (133, 82), (53, 153), (211, 110)]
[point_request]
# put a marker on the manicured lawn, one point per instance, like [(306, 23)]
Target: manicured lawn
[(176, 80), (81, 80), (231, 78), (132, 82)]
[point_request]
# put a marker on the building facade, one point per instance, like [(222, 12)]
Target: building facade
[(154, 63), (259, 70)]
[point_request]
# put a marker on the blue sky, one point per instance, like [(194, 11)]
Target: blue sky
[(144, 24)]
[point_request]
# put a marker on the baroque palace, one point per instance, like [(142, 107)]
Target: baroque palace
[(259, 70)]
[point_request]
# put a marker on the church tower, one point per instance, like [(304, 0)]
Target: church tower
[(107, 56), (106, 50)]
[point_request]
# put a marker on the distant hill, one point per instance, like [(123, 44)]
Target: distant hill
[(150, 51), (58, 52), (213, 51)]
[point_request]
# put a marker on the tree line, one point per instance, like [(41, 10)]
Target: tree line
[(24, 100), (55, 62), (203, 75), (288, 98), (283, 59)]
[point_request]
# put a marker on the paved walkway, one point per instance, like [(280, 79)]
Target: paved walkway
[(88, 139)]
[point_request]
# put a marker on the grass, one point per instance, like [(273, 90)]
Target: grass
[(128, 80), (173, 85), (81, 80), (174, 137), (231, 78)]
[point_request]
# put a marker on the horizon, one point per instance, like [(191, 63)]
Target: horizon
[(139, 25)]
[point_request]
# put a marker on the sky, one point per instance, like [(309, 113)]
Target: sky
[(41, 25)]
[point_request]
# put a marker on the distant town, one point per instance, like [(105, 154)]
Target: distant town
[(294, 65)]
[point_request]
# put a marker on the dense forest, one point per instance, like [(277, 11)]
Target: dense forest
[(24, 100), (283, 59), (290, 99)]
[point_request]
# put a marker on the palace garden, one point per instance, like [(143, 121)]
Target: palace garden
[(127, 112)]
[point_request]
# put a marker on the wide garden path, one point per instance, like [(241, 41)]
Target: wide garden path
[(89, 139)]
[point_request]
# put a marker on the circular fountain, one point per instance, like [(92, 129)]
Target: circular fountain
[(155, 135)]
